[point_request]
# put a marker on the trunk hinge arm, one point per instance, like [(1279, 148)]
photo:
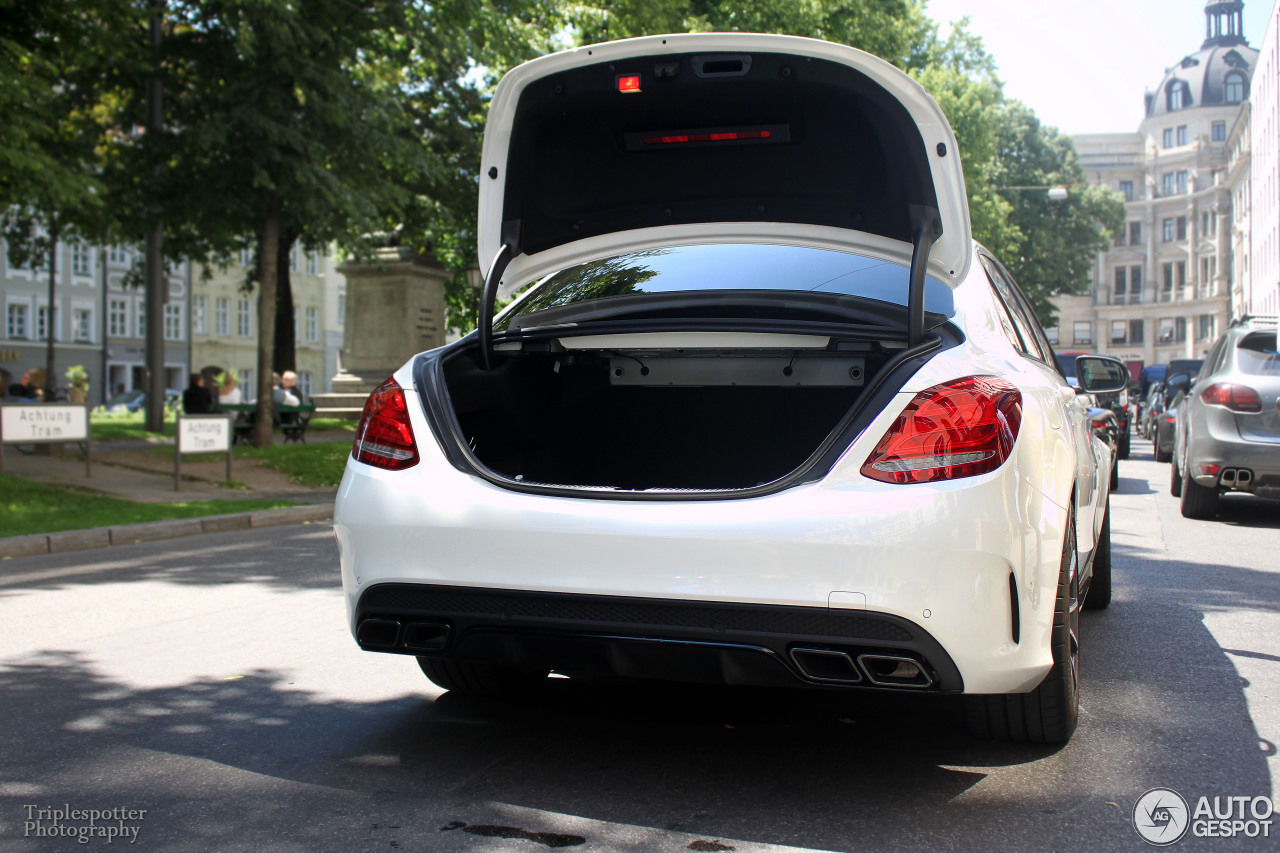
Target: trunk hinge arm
[(926, 227), (489, 295)]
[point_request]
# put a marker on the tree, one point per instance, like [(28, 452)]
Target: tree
[(1059, 239), (58, 87), (282, 119)]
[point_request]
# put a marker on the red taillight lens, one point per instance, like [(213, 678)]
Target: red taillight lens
[(384, 437), (957, 429), (1237, 398)]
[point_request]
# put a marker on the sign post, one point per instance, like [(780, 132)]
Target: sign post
[(46, 423), (201, 434)]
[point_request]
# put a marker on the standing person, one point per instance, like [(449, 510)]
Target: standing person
[(197, 400)]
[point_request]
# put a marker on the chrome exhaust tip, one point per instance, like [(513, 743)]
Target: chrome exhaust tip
[(827, 665), (1244, 478), (1228, 477), (895, 671)]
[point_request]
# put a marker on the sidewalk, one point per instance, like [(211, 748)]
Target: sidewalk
[(127, 470)]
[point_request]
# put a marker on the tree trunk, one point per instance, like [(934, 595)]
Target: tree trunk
[(286, 356), (268, 257), (50, 313)]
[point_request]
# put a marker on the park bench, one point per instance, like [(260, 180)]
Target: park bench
[(294, 428)]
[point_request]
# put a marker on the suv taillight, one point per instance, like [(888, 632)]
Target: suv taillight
[(1237, 398), (384, 437), (957, 429)]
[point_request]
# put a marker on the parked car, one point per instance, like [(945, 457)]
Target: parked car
[(1151, 408), (1103, 423), (761, 411), (1166, 421), (136, 400), (1227, 435), (1117, 402)]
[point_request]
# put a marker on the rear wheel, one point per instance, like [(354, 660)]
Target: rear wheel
[(1049, 713), (481, 679), (1125, 441), (1100, 587), (1162, 455), (1198, 501), (1115, 476), (1175, 479)]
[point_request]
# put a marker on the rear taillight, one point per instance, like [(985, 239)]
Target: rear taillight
[(384, 437), (1100, 424), (957, 429), (1237, 398)]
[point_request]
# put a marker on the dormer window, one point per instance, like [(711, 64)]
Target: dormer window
[(1234, 87), (1179, 96)]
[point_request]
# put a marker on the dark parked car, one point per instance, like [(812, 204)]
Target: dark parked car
[(1149, 410), (1164, 426), (1118, 403)]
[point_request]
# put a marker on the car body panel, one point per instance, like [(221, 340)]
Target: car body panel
[(514, 130)]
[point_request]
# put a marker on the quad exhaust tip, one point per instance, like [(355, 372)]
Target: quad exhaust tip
[(895, 671), (834, 666), (827, 665), (1236, 478), (383, 634)]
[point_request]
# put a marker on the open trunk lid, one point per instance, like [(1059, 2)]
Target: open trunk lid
[(760, 138)]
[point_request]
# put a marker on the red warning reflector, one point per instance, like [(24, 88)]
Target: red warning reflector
[(628, 82), (685, 138)]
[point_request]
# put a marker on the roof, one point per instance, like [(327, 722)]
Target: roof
[(1203, 77)]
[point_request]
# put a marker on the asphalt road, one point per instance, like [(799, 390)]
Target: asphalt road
[(212, 682)]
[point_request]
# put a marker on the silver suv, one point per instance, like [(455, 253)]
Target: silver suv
[(1228, 428)]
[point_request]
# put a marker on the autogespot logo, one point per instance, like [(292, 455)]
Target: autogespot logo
[(1161, 816)]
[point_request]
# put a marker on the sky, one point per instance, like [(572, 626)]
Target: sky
[(1084, 65)]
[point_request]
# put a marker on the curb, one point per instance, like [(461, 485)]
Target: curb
[(150, 531)]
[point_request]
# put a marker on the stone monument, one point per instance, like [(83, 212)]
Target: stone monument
[(395, 308)]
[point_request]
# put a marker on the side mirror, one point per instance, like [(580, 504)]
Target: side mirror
[(1179, 382), (1100, 374)]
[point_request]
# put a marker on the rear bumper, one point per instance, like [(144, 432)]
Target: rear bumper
[(702, 641), (1261, 461)]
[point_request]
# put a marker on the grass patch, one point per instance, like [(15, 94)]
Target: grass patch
[(124, 426), (306, 464), (333, 424), (37, 508)]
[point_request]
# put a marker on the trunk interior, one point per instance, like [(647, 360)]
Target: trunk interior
[(670, 419)]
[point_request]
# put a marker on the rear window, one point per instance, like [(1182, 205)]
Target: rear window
[(1256, 354), (726, 270)]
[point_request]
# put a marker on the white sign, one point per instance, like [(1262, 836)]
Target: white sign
[(45, 422), (204, 434)]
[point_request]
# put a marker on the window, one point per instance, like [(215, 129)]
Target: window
[(222, 317), (1122, 285), (244, 320), (1180, 330), (199, 315), (1178, 96), (118, 318), (17, 321), (1168, 230), (1182, 228), (1219, 131), (1206, 327), (81, 261), (1136, 331), (313, 265), (247, 388), (295, 264), (42, 324), (1167, 183), (1168, 138), (1126, 190), (246, 257), (1235, 87), (297, 326), (82, 321), (1175, 276), (1081, 332), (117, 255), (313, 324), (1182, 134), (1164, 330), (1135, 233), (342, 308), (141, 327), (1118, 329), (304, 384), (1182, 182), (1135, 283), (173, 321), (1052, 335)]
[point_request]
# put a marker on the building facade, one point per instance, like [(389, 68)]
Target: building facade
[(1164, 289), (224, 320), (1264, 254), (98, 319)]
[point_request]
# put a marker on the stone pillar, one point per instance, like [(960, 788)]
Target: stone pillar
[(395, 308)]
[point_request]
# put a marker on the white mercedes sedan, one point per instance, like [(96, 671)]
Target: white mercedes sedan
[(758, 411)]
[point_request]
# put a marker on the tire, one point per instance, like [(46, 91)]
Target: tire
[(1198, 501), (1125, 441), (1100, 587), (481, 679), (1175, 479), (1049, 713), (1115, 476), (1162, 455)]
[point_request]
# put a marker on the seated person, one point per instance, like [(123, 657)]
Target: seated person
[(285, 393), (197, 400)]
